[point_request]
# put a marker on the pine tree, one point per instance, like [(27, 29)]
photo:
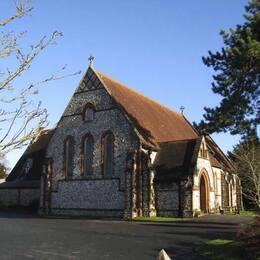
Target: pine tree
[(236, 78)]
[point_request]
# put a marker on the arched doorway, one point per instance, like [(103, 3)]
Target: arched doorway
[(204, 196)]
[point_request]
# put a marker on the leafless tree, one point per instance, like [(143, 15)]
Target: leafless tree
[(247, 158), (20, 119)]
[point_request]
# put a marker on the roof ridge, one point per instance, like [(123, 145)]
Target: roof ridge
[(137, 92), (154, 121)]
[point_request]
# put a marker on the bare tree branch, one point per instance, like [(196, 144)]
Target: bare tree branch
[(20, 120), (247, 158), (22, 8)]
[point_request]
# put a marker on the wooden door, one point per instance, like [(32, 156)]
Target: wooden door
[(203, 194)]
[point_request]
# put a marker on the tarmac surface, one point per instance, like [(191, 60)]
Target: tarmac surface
[(27, 236)]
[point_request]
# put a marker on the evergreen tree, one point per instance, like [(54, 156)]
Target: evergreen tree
[(236, 78)]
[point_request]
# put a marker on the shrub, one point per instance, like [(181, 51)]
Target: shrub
[(249, 235)]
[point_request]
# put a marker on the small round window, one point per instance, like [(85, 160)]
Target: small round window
[(89, 112)]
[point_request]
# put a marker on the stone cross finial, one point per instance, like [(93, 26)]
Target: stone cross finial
[(182, 109), (91, 59)]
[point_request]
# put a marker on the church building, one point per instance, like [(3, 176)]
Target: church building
[(118, 153)]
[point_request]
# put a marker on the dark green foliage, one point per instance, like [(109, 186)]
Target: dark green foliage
[(236, 78)]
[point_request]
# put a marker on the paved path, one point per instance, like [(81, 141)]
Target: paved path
[(24, 236)]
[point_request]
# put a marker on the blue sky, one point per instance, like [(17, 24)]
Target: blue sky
[(153, 46)]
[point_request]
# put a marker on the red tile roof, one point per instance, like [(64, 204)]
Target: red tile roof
[(41, 142), (155, 122), (175, 159), (35, 151)]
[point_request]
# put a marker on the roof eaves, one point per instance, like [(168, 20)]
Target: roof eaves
[(194, 129)]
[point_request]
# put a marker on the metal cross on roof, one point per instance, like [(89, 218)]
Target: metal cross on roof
[(182, 109), (91, 59)]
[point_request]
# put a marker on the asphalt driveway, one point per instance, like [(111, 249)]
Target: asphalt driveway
[(24, 236)]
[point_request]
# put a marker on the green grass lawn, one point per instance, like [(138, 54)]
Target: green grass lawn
[(163, 219), (244, 213), (219, 249), (157, 219)]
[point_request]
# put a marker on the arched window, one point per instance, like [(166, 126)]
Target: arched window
[(68, 156), (108, 153), (88, 112), (87, 154)]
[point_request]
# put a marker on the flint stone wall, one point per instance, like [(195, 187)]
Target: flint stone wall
[(89, 212), (89, 192), (85, 194), (167, 199), (18, 197)]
